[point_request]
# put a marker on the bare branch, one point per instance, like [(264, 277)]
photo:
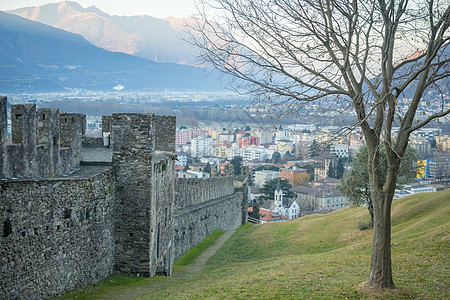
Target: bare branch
[(429, 119)]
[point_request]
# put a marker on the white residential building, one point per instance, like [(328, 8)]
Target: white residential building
[(201, 146), (266, 136), (265, 175), (250, 154)]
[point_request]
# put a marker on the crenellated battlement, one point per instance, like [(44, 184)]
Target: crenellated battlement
[(45, 142)]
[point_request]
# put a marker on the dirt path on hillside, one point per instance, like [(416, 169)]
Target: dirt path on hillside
[(196, 267), (192, 269)]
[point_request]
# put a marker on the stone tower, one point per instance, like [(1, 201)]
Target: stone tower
[(144, 171), (133, 151)]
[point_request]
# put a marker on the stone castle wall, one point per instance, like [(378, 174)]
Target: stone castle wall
[(203, 206), (57, 234), (192, 191)]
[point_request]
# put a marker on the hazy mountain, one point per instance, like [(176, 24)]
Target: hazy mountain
[(37, 57), (143, 35)]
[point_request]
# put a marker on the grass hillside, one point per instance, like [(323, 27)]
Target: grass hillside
[(319, 256)]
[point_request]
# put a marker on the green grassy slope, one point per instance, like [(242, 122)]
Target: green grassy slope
[(321, 256)]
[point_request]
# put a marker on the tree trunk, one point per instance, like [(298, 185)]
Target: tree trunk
[(381, 193), (380, 267), (370, 208)]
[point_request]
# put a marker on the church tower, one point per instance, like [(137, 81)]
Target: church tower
[(278, 200)]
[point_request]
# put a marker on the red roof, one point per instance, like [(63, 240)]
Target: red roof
[(267, 215)]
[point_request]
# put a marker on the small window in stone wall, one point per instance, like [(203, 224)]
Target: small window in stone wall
[(18, 116), (7, 228)]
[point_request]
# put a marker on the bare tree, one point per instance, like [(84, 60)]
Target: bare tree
[(368, 56)]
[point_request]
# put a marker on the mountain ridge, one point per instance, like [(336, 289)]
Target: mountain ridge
[(142, 35), (38, 57)]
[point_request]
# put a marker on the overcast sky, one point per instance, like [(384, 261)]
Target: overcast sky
[(155, 8)]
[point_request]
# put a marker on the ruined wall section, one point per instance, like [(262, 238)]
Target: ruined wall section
[(203, 206), (55, 234)]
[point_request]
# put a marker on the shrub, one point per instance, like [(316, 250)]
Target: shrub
[(363, 224)]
